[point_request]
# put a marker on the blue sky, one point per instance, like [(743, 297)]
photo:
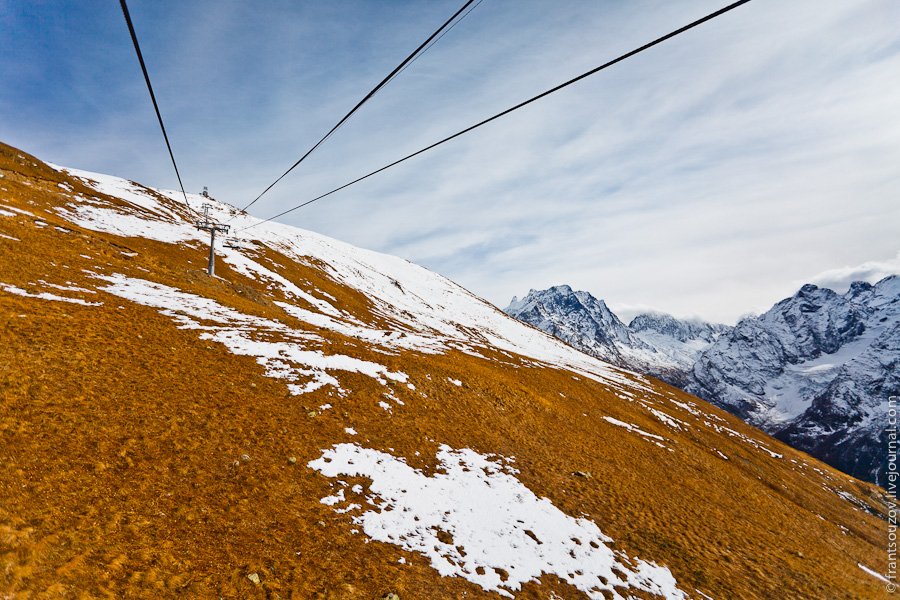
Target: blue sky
[(710, 176)]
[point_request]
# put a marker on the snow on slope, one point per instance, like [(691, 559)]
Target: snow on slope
[(11, 289), (475, 498), (428, 312), (477, 504), (245, 335), (434, 313)]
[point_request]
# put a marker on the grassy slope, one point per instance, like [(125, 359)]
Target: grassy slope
[(121, 437)]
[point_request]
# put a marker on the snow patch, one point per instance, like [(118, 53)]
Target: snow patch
[(107, 220), (11, 289), (651, 437), (474, 519), (7, 208), (873, 573), (427, 312), (277, 347)]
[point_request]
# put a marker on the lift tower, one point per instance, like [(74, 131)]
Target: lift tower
[(207, 224)]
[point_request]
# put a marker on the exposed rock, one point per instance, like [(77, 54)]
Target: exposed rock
[(656, 344), (816, 370)]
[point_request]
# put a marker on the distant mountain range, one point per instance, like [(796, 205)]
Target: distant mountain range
[(658, 344), (816, 370)]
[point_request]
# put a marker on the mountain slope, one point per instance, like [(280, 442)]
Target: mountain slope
[(323, 421), (580, 320), (816, 370)]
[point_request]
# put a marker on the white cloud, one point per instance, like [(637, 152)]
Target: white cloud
[(840, 279)]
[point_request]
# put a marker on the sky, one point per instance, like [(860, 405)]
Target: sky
[(708, 177)]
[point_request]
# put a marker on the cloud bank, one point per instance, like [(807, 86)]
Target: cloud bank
[(840, 279)]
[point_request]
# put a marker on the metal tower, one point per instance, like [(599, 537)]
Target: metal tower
[(207, 224)]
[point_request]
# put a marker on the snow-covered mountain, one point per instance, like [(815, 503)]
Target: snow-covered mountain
[(322, 421), (656, 344), (581, 321), (816, 370), (677, 342)]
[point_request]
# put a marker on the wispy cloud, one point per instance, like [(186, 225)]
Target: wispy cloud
[(706, 177)]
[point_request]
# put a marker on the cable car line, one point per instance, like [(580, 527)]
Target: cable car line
[(574, 80), (137, 49), (466, 14), (365, 99)]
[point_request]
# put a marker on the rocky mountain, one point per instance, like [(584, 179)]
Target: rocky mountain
[(322, 421), (680, 330), (581, 321), (817, 370), (677, 344), (655, 344)]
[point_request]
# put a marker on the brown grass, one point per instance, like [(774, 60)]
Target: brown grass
[(121, 438)]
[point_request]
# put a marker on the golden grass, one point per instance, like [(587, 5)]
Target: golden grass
[(121, 438)]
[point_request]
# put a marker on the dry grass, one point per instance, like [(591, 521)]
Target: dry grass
[(121, 438)]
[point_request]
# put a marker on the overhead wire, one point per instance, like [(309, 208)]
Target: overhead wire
[(552, 90), (137, 49), (412, 56), (436, 40)]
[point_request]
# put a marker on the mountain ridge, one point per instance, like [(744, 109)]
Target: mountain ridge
[(652, 343), (791, 371)]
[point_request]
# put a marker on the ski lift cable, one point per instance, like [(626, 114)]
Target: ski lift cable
[(436, 40), (140, 56), (574, 80), (365, 99)]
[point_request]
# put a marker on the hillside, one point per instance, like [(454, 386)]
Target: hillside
[(321, 421)]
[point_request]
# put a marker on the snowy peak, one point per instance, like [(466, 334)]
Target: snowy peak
[(817, 370), (578, 318), (883, 296), (677, 329), (814, 321), (656, 344)]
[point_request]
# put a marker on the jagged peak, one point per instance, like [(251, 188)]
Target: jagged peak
[(680, 329), (562, 289), (517, 305), (891, 281)]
